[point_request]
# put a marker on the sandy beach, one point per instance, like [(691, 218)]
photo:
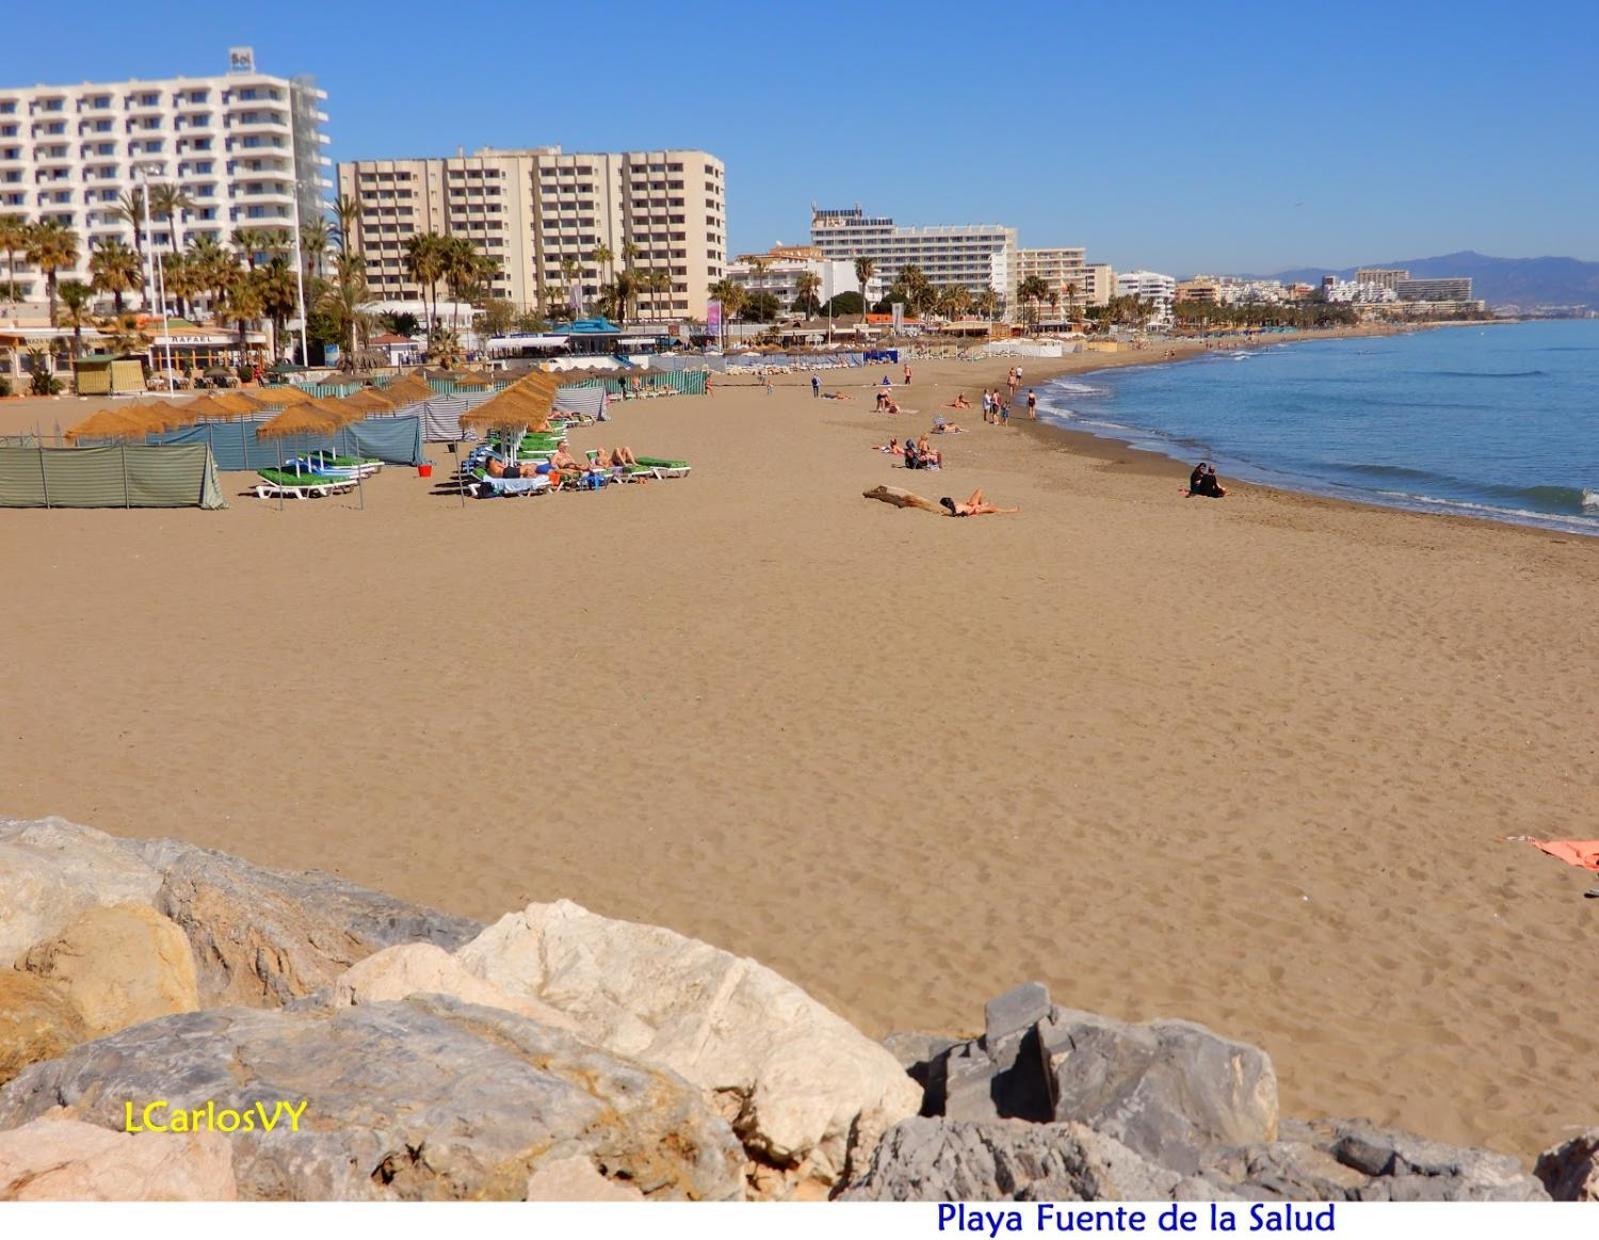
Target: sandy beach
[(1247, 762)]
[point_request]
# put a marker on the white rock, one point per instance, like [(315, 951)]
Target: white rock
[(423, 969), (807, 1086), (51, 870)]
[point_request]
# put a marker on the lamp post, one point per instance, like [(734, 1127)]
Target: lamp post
[(299, 274), (157, 282)]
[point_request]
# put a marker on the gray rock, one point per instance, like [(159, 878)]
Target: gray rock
[(427, 1098), (1000, 1075), (1168, 1089), (264, 937), (1351, 1160), (1006, 1160), (1570, 1170)]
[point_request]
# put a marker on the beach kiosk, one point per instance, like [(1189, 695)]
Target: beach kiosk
[(109, 374)]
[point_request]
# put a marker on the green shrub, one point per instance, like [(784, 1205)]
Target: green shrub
[(45, 384), (5, 387)]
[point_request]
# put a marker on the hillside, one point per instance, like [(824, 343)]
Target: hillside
[(1524, 282)]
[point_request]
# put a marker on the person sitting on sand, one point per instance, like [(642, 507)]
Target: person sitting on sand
[(930, 457), (975, 506), (890, 407), (960, 402), (1203, 481)]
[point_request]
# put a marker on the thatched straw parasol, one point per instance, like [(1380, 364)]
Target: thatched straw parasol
[(210, 407), (123, 423), (161, 415), (369, 399), (309, 418), (407, 391), (525, 405), (281, 395), (234, 402)]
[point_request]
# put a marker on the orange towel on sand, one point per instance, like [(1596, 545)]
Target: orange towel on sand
[(1584, 853)]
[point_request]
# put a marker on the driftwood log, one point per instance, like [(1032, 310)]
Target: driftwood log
[(901, 498)]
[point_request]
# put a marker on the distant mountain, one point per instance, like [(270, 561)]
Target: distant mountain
[(1499, 281)]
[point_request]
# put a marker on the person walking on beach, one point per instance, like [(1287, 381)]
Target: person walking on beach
[(1032, 404), (1004, 412), (907, 374), (816, 387)]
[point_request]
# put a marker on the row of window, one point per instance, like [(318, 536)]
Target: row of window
[(143, 99)]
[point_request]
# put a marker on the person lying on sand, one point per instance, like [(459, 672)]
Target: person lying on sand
[(975, 506), (891, 447), (941, 427), (960, 402)]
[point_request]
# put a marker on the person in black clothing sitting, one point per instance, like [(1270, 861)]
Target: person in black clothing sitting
[(913, 458), (1203, 481)]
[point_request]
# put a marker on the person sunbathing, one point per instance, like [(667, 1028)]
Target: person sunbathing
[(494, 467), (942, 427), (975, 506), (563, 460), (891, 447), (931, 458), (622, 456), (960, 402)]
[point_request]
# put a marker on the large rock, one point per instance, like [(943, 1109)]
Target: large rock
[(51, 870), (926, 1159), (263, 937), (1001, 1074), (1570, 1170), (36, 1022), (1352, 1160), (807, 1092), (118, 966), (428, 1098), (57, 1158), (1168, 1089), (423, 969)]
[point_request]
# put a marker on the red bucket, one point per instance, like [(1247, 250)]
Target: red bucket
[(424, 471)]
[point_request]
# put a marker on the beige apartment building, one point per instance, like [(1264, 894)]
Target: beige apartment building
[(543, 212), (1061, 268), (1099, 284), (1382, 277)]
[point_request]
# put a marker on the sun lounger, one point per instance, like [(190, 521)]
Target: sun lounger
[(290, 485), (488, 485), (665, 468)]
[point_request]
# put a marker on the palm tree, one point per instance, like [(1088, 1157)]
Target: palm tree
[(115, 269), (732, 297), (169, 202), (13, 240), (249, 242), (461, 268), (424, 263), (52, 246), (279, 296), (1031, 291), (865, 269), (807, 284), (569, 272), (182, 279), (988, 303), (76, 296), (602, 256), (1074, 303), (342, 303), (958, 300), (245, 303), (130, 209), (214, 269), (347, 224), (314, 238)]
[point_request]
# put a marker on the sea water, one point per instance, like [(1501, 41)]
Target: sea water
[(1498, 421)]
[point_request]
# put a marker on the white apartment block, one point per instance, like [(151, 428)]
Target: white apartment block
[(245, 148), (779, 269), (1099, 284), (542, 212), (971, 256), (1149, 286)]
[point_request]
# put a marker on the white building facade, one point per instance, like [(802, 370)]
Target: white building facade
[(971, 256), (244, 147), (1151, 287), (779, 270)]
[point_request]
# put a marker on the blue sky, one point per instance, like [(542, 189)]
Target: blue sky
[(1196, 137)]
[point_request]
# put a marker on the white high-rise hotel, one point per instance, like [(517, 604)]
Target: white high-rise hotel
[(245, 147)]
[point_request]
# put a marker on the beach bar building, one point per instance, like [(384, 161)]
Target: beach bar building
[(109, 374)]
